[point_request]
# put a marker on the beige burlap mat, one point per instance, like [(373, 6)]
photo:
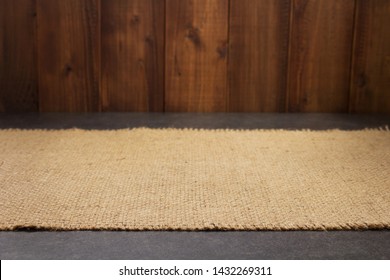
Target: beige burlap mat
[(160, 179)]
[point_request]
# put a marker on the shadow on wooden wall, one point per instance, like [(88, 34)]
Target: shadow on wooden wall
[(195, 56)]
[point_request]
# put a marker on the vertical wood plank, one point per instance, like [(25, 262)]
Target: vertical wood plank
[(133, 55), (18, 71), (196, 55), (258, 55), (370, 83), (68, 55), (320, 55)]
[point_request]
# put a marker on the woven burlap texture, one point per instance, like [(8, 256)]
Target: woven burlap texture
[(186, 179)]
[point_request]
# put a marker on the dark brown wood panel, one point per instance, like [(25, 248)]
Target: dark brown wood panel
[(196, 55), (133, 55), (370, 86), (68, 55), (258, 54), (18, 71), (320, 55)]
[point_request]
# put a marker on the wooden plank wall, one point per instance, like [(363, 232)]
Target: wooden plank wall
[(18, 71), (320, 55), (370, 84), (258, 55), (132, 55), (68, 55), (195, 56)]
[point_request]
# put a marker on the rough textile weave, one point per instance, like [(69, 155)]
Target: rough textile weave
[(185, 179)]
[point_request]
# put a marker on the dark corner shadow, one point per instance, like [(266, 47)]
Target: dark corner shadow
[(112, 121)]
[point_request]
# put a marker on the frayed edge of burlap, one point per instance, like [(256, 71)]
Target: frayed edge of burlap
[(314, 227), (186, 129)]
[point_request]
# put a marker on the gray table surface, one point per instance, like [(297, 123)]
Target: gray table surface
[(200, 244)]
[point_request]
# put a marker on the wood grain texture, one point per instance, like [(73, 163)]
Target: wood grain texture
[(68, 55), (370, 86), (18, 74), (258, 55), (196, 55), (320, 55), (133, 55)]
